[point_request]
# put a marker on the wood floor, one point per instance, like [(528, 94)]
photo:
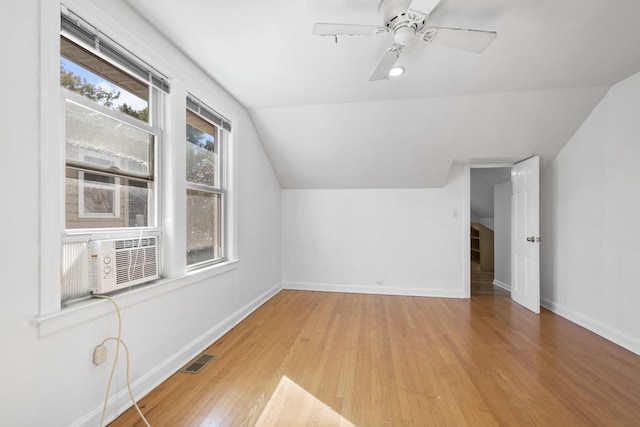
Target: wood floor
[(328, 359), (482, 285)]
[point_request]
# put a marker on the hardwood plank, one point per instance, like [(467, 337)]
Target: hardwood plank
[(311, 358)]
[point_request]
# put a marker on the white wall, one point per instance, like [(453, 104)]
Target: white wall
[(481, 198), (47, 378), (590, 212), (481, 195), (502, 234), (380, 241)]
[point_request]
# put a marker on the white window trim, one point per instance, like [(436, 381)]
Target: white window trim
[(52, 162), (92, 309)]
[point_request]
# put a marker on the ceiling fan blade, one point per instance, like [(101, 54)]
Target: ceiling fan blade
[(424, 6), (322, 29), (386, 63), (459, 38)]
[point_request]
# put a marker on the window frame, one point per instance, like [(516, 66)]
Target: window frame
[(152, 128), (221, 190)]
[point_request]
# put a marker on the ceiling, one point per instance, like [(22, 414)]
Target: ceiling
[(324, 125)]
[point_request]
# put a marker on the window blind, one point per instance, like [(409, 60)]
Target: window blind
[(76, 28), (197, 106)]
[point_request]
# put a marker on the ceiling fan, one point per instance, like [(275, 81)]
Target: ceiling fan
[(406, 21)]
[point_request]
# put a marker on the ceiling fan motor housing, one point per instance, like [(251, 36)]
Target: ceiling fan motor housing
[(404, 35), (400, 22)]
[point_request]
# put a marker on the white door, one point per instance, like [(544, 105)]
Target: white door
[(525, 234)]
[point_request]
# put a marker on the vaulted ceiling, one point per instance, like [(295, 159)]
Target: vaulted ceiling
[(325, 125)]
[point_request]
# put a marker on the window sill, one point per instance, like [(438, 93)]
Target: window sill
[(92, 309)]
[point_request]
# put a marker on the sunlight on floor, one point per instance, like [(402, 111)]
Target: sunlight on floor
[(291, 405)]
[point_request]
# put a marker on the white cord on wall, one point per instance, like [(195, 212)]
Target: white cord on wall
[(119, 342), (135, 404)]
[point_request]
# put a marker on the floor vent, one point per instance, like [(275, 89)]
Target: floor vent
[(197, 365)]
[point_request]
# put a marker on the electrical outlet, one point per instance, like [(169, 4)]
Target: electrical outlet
[(99, 355)]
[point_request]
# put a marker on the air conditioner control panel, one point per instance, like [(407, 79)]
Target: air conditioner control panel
[(101, 267)]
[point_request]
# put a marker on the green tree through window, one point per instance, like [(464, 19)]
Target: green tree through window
[(102, 96)]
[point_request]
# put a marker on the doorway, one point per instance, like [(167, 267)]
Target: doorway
[(490, 231)]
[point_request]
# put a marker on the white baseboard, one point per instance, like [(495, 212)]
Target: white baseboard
[(156, 376), (240, 314), (379, 290), (502, 285), (623, 340)]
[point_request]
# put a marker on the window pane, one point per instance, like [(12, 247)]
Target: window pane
[(202, 151), (104, 201), (203, 226), (96, 79), (96, 140), (138, 200), (100, 201)]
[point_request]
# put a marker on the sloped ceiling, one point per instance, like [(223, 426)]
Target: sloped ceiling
[(324, 125)]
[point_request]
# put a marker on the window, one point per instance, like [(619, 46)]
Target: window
[(206, 133), (110, 145), (98, 196), (112, 136)]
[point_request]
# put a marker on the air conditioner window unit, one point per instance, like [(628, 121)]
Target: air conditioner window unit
[(117, 264)]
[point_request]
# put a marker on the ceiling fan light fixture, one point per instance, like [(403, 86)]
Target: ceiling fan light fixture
[(405, 21), (396, 71)]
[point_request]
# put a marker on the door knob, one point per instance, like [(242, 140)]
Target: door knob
[(538, 239), (531, 239)]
